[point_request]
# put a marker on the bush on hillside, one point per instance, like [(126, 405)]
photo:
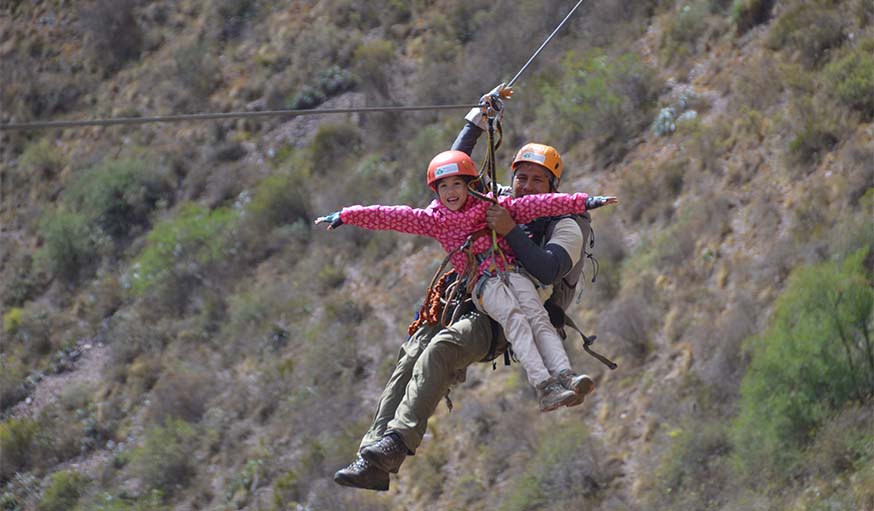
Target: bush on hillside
[(180, 394), (683, 29), (811, 361), (746, 14), (65, 488), (119, 195), (13, 385), (333, 145), (647, 190), (40, 161), (694, 472), (811, 30), (198, 71), (609, 99), (165, 460), (372, 60), (563, 474), (33, 328), (817, 128), (181, 254), (70, 245), (228, 18), (17, 436), (850, 79), (115, 35)]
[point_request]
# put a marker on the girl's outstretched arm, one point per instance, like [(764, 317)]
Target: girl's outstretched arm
[(383, 218)]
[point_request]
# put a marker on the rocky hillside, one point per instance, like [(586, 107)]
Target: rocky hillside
[(176, 334)]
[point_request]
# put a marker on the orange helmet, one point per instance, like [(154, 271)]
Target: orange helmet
[(544, 155), (450, 163)]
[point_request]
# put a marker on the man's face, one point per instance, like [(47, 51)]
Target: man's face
[(530, 178)]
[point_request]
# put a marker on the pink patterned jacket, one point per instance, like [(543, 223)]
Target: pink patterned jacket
[(451, 228)]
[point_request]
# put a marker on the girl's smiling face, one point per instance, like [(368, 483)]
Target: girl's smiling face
[(452, 192)]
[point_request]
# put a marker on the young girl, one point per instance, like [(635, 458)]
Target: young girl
[(516, 305)]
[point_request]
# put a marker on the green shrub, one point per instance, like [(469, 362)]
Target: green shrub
[(817, 129), (372, 60), (34, 329), (198, 71), (850, 79), (114, 33), (810, 29), (280, 199), (118, 194), (746, 14), (12, 321), (810, 362), (63, 491), (41, 160), (180, 394), (333, 145), (17, 437), (181, 253), (693, 471), (683, 29), (165, 460), (70, 244), (564, 471), (229, 17), (25, 280), (13, 386), (603, 97)]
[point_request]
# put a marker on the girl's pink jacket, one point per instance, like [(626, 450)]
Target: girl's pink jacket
[(451, 228)]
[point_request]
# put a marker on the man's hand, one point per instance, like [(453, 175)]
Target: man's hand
[(499, 220), (493, 99), (597, 201), (333, 220)]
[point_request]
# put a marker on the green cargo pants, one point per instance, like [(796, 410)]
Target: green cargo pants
[(428, 363)]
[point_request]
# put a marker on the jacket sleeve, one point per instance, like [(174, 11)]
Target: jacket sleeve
[(389, 218), (547, 264), (527, 208), (467, 137)]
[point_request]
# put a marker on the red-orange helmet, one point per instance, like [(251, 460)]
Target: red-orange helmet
[(543, 155), (450, 163)]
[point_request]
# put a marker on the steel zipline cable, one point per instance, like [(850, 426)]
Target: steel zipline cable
[(221, 115), (267, 113)]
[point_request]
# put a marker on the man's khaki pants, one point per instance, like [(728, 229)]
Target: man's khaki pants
[(428, 363)]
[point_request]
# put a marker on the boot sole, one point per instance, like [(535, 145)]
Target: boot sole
[(558, 404), (352, 483)]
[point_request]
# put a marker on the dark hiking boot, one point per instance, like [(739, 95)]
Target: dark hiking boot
[(552, 395), (361, 474), (581, 384), (387, 454)]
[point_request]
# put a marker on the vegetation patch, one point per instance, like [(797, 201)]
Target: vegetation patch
[(814, 359)]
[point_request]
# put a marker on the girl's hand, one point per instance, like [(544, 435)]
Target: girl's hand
[(333, 220), (597, 201)]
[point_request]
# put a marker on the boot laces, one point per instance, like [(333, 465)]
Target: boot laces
[(389, 445), (359, 464)]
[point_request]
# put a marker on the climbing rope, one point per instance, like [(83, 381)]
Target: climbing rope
[(220, 115)]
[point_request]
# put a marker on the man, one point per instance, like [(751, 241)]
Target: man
[(431, 359)]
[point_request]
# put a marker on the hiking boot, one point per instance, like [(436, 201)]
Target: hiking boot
[(361, 474), (582, 385), (552, 395), (387, 454)]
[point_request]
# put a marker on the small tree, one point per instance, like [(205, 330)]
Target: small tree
[(817, 356)]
